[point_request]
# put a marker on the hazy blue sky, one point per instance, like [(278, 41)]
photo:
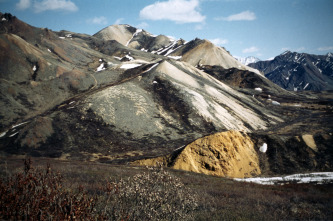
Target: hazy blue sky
[(262, 28)]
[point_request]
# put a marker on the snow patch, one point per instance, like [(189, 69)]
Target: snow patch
[(17, 125), (275, 103), (172, 50), (263, 148), (118, 58), (12, 135), (34, 68), (135, 34), (3, 134), (151, 67), (62, 37), (167, 48), (317, 178), (129, 66), (49, 50), (3, 19), (100, 67), (258, 89), (306, 86), (129, 57), (175, 57)]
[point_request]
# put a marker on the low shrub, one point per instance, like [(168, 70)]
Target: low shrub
[(155, 195), (37, 194)]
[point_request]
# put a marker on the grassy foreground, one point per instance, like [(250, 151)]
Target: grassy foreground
[(62, 190)]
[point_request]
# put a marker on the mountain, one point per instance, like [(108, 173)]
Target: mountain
[(242, 79), (299, 71), (196, 52), (74, 96), (247, 60)]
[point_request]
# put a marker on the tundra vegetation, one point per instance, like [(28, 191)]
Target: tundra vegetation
[(93, 191)]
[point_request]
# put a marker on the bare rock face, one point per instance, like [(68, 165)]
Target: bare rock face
[(120, 33), (202, 52), (227, 154)]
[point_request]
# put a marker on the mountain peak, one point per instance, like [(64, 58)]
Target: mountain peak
[(286, 52), (299, 71), (247, 60)]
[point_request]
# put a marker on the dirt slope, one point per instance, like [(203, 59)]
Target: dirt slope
[(230, 154)]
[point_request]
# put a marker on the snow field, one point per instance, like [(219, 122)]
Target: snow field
[(317, 178)]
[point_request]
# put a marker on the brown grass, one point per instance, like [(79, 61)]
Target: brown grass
[(41, 194), (217, 198)]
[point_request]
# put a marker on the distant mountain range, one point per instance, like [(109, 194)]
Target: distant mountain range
[(247, 60), (299, 71)]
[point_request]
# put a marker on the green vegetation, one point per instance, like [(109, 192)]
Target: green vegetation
[(93, 191)]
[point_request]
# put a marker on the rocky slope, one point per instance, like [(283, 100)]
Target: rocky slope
[(196, 52), (239, 154), (243, 79), (299, 71), (74, 96)]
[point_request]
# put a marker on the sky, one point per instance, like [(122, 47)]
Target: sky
[(260, 28)]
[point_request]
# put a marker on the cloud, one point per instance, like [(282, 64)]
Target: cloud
[(243, 16), (118, 21), (294, 49), (300, 49), (23, 4), (179, 11), (199, 26), (98, 20), (52, 5), (329, 48), (142, 25), (219, 41), (250, 50)]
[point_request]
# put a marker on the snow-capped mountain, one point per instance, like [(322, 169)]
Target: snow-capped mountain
[(247, 60), (299, 71)]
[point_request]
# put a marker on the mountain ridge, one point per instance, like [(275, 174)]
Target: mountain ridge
[(178, 49), (299, 71)]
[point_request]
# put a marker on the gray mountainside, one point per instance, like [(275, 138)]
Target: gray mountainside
[(124, 95), (299, 71)]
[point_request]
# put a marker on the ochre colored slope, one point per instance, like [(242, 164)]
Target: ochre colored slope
[(227, 154)]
